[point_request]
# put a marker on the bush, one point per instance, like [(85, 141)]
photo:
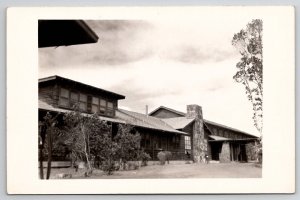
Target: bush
[(145, 157), (168, 156), (109, 167), (162, 157)]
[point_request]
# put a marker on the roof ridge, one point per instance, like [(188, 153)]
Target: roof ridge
[(147, 122), (170, 109)]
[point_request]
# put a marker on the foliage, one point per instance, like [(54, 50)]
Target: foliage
[(250, 67), (161, 157), (144, 157), (128, 142), (49, 130), (89, 139), (168, 156)]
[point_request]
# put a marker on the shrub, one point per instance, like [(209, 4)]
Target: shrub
[(109, 167), (133, 165), (162, 157), (145, 157), (168, 156)]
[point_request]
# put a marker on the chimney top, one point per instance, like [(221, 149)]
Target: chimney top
[(147, 110), (193, 111)]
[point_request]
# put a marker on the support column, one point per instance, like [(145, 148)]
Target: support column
[(225, 153)]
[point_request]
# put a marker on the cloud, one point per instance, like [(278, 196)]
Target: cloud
[(118, 44), (158, 63)]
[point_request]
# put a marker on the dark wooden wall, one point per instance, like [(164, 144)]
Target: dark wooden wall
[(155, 141)]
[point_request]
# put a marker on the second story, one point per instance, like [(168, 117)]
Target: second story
[(67, 94)]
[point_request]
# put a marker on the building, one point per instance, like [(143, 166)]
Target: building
[(54, 33), (185, 135)]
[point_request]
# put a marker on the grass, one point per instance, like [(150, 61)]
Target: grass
[(212, 170)]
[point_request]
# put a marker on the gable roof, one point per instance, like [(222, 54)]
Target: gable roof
[(178, 122), (181, 122), (166, 108), (56, 78), (145, 121)]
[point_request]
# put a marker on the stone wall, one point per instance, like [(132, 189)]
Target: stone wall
[(199, 143), (225, 153)]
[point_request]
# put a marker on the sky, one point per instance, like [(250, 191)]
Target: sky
[(170, 63)]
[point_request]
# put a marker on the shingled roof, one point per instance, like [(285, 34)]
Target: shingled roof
[(178, 122), (124, 117), (181, 122), (146, 121)]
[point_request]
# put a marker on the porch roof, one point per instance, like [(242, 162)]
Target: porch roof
[(124, 117), (146, 121)]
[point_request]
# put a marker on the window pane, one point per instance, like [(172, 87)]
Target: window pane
[(102, 102), (95, 100), (64, 92), (102, 110), (82, 106), (64, 102), (74, 96), (94, 108), (110, 105), (110, 113), (83, 98)]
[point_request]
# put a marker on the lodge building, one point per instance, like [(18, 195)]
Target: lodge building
[(186, 135)]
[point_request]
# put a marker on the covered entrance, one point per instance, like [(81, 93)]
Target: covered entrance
[(227, 150)]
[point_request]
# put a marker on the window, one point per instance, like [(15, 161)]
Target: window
[(82, 102), (110, 108), (74, 99), (64, 97), (95, 104), (102, 106), (187, 142), (86, 103)]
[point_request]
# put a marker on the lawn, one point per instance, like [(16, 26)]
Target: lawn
[(174, 170)]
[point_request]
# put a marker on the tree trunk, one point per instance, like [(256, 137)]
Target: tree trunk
[(41, 163), (49, 154)]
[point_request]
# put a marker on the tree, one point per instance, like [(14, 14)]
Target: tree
[(250, 67), (128, 141), (79, 131)]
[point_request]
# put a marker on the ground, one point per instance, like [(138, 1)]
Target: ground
[(175, 170)]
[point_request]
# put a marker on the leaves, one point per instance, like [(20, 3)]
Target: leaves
[(250, 67)]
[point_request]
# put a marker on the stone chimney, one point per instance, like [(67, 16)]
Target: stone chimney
[(193, 111), (199, 143)]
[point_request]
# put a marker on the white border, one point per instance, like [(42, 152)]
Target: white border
[(279, 103)]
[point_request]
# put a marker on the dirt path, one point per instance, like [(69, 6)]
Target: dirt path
[(215, 170)]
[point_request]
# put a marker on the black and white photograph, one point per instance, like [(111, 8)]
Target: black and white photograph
[(150, 99), (174, 96)]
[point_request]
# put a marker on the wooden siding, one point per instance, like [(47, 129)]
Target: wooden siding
[(155, 141), (222, 132), (49, 94)]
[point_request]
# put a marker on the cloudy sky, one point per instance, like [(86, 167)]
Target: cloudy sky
[(167, 62)]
